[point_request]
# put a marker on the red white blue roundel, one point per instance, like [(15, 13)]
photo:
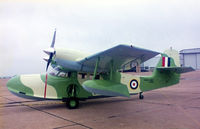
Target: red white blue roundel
[(134, 84)]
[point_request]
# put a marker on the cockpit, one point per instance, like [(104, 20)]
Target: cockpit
[(59, 73), (56, 73)]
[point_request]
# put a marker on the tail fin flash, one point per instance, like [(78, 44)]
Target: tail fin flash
[(166, 62)]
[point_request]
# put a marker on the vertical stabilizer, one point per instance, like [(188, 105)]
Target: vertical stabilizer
[(166, 61), (165, 74)]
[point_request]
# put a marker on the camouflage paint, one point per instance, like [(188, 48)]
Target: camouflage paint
[(157, 80), (34, 85), (15, 85), (61, 84), (38, 86), (57, 88), (126, 80), (160, 79)]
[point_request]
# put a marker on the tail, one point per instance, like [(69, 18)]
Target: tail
[(165, 74)]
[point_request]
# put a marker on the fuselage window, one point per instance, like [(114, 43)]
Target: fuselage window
[(97, 77), (83, 76), (69, 74), (62, 74)]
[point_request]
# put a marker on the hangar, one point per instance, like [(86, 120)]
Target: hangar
[(183, 58), (190, 58)]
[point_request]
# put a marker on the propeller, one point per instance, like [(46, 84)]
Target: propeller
[(50, 51)]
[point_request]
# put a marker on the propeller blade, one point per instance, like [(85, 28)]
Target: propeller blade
[(49, 50), (49, 61), (46, 58), (54, 38)]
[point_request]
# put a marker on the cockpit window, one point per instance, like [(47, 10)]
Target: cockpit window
[(62, 74), (58, 73), (53, 73)]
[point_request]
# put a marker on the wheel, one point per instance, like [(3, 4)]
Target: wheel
[(141, 96), (72, 103)]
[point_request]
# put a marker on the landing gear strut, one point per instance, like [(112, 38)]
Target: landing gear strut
[(72, 102), (141, 96)]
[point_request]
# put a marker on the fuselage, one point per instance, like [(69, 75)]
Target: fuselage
[(74, 80), (58, 86)]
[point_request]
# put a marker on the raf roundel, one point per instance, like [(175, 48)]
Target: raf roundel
[(134, 84)]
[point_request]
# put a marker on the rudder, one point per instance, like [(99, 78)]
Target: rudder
[(165, 74)]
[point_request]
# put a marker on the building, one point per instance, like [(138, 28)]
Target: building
[(184, 58), (150, 64), (190, 58)]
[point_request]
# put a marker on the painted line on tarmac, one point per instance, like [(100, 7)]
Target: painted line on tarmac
[(51, 114), (60, 117), (24, 103)]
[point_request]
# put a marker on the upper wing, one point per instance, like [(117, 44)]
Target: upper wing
[(119, 55)]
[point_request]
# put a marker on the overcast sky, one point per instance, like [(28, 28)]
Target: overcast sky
[(26, 28)]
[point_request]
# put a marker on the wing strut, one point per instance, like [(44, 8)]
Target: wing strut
[(95, 70), (111, 70)]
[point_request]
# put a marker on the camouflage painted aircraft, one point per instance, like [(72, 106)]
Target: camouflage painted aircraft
[(79, 76)]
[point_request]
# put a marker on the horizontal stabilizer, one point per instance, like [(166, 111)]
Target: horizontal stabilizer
[(175, 69), (105, 87)]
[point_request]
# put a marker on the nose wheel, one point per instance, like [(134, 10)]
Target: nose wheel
[(141, 96)]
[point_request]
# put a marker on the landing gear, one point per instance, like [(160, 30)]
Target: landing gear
[(141, 96), (72, 103)]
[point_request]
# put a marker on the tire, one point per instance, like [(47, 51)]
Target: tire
[(141, 97), (72, 103)]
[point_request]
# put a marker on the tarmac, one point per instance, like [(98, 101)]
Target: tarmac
[(175, 107)]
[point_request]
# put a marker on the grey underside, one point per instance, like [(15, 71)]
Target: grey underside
[(120, 55)]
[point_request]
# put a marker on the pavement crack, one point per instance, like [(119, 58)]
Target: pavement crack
[(112, 116), (59, 117), (193, 107), (167, 104), (65, 126)]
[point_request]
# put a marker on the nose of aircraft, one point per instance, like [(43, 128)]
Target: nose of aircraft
[(16, 86)]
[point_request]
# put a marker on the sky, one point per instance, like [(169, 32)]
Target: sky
[(27, 26)]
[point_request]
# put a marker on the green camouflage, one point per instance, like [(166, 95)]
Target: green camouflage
[(119, 84)]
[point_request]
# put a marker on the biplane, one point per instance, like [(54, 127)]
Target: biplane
[(78, 76)]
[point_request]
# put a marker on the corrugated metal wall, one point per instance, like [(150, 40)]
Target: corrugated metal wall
[(198, 61), (190, 58)]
